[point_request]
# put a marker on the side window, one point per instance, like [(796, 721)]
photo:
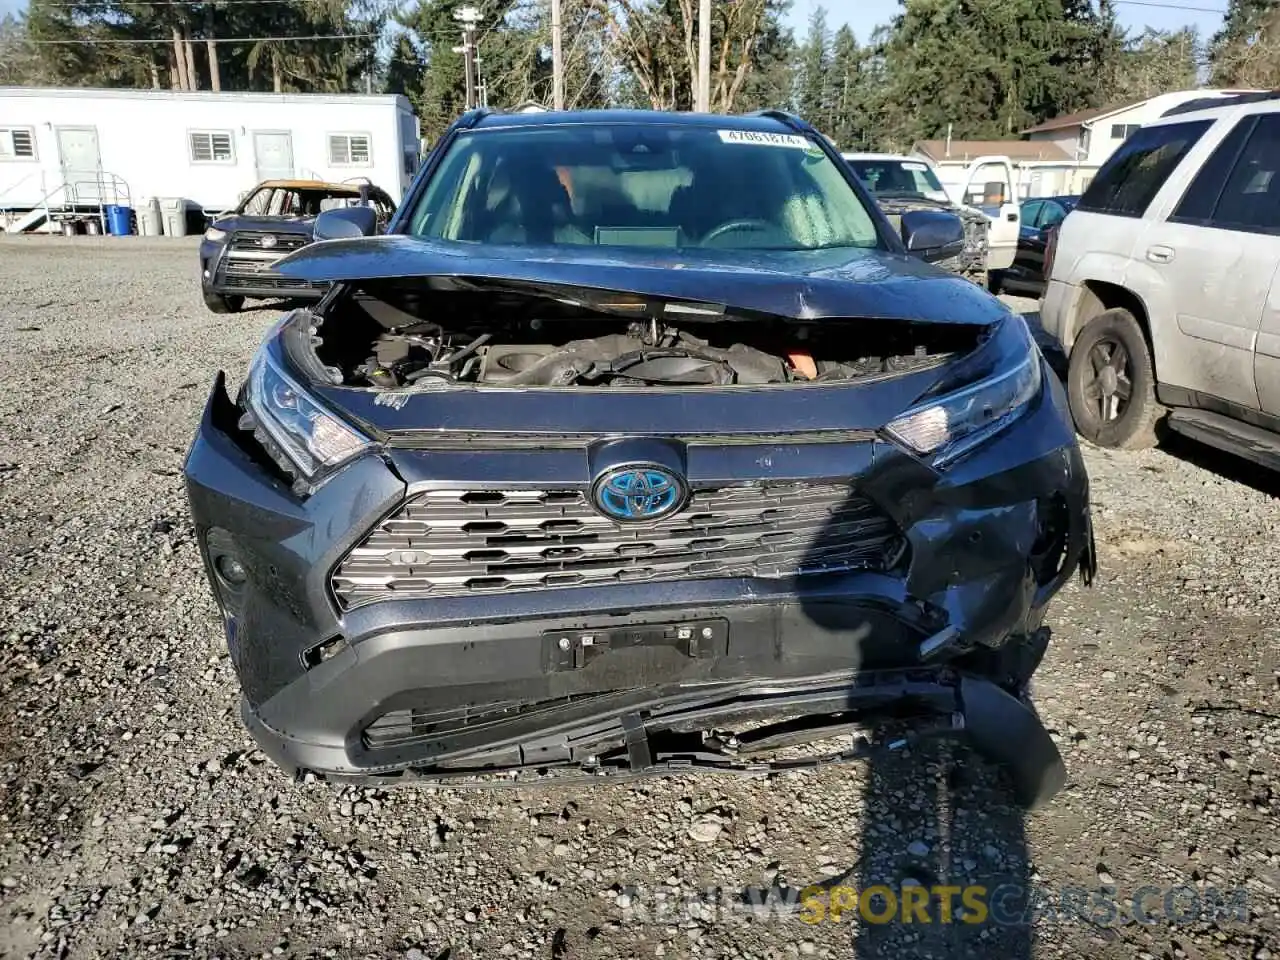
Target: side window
[(1198, 203), (1031, 212), (1054, 214), (1251, 198), (1132, 176), (260, 203)]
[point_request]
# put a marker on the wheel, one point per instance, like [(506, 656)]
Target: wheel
[(995, 282), (1111, 383), (220, 304)]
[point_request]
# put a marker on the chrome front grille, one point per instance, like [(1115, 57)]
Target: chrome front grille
[(247, 240), (248, 260), (448, 543)]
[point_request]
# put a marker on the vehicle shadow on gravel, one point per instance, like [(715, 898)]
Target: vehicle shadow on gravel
[(943, 869)]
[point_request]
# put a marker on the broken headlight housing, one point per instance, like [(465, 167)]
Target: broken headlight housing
[(948, 426), (305, 439)]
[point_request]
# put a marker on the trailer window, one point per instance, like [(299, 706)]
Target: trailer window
[(211, 146), (349, 149), (17, 143)]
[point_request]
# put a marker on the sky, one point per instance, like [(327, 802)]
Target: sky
[(865, 15)]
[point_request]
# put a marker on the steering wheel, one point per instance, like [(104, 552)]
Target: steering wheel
[(743, 223)]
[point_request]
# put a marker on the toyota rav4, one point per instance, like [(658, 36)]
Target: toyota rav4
[(641, 443)]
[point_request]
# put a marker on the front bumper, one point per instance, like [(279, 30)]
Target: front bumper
[(503, 682), (1057, 306)]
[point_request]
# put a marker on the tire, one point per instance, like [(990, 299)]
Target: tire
[(1111, 383), (995, 282), (220, 304)]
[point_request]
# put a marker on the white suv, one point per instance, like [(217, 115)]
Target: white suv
[(1164, 285)]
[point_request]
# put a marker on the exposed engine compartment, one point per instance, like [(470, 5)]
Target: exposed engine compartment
[(433, 334)]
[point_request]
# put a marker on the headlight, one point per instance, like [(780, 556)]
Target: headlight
[(213, 233), (312, 440), (957, 422)]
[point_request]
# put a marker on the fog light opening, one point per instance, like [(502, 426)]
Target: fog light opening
[(230, 569), (325, 650)]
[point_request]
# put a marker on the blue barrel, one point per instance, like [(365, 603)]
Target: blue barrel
[(119, 220)]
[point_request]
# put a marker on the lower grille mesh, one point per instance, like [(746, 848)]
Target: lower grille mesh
[(404, 728), (446, 543)]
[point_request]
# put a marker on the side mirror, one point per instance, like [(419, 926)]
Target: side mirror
[(931, 234), (346, 223)]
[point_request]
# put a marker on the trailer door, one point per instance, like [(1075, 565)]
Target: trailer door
[(273, 154), (80, 162)]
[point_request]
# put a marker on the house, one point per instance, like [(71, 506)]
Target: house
[(975, 167), (1091, 136), (76, 149), (1059, 156)]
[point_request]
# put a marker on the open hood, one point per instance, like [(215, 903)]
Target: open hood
[(802, 285)]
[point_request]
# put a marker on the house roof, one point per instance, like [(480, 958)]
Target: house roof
[(1082, 117), (1079, 118), (936, 150)]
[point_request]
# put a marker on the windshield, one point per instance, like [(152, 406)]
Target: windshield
[(295, 201), (641, 185), (903, 178)]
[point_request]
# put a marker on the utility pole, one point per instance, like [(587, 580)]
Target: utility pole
[(702, 102), (468, 17), (557, 58)]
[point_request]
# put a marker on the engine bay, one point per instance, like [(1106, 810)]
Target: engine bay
[(430, 335)]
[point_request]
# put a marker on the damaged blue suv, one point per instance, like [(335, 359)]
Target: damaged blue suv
[(640, 443)]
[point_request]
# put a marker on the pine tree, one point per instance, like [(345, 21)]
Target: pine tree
[(813, 80)]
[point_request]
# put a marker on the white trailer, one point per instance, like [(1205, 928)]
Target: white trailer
[(70, 149)]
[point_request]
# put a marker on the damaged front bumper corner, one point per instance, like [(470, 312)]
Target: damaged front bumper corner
[(671, 732)]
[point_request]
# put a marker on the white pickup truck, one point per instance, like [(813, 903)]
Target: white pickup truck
[(989, 184)]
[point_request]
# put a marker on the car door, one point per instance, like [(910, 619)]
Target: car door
[(991, 186), (1267, 356), (1032, 248), (1023, 263), (1262, 206), (1215, 261)]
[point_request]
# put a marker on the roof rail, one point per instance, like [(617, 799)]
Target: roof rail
[(474, 116), (1229, 100), (790, 119)]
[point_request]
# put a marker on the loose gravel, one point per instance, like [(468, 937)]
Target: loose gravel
[(136, 818)]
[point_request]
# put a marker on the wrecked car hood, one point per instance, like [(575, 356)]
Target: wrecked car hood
[(804, 284), (301, 225)]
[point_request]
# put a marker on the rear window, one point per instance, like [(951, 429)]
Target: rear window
[(1134, 174), (1238, 188)]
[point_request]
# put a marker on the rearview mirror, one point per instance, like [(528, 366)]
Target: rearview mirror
[(931, 234), (346, 223)]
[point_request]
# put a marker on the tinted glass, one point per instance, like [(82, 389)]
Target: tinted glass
[(1251, 198), (1129, 180), (1053, 214), (1198, 202), (1031, 212), (649, 185)]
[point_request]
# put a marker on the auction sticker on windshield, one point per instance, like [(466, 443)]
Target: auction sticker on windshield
[(766, 139)]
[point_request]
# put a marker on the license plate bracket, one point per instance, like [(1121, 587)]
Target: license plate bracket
[(575, 649)]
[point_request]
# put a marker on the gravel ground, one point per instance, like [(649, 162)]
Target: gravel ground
[(137, 819)]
